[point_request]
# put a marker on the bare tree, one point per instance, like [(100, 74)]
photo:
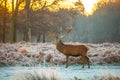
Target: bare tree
[(40, 21), (4, 20), (27, 33), (15, 9)]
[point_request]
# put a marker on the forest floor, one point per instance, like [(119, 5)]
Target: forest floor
[(105, 58)]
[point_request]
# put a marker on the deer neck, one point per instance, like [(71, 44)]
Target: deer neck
[(60, 46)]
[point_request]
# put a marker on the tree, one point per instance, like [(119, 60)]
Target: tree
[(1, 21), (15, 9), (41, 20), (4, 17), (27, 33), (4, 20)]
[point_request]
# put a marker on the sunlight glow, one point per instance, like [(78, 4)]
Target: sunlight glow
[(9, 6), (67, 3), (89, 6)]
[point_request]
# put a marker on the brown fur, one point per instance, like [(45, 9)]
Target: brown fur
[(73, 50)]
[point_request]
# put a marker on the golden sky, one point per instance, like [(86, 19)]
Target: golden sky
[(89, 5)]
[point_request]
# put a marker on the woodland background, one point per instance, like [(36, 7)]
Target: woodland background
[(38, 23)]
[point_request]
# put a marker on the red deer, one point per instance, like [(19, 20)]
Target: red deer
[(73, 50)]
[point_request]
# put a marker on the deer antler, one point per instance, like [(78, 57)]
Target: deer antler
[(68, 30)]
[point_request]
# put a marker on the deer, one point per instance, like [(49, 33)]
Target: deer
[(72, 50)]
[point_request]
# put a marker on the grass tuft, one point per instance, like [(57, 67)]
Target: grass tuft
[(42, 74)]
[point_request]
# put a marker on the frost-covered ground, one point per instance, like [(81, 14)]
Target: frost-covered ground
[(31, 54), (60, 73), (18, 57)]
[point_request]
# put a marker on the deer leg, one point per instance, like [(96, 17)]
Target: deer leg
[(88, 61), (83, 65), (88, 64), (67, 59), (83, 61)]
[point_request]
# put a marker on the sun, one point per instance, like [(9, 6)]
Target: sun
[(89, 6)]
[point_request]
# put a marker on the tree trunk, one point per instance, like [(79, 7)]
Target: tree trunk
[(28, 33), (13, 26), (4, 23), (39, 37), (44, 38), (26, 37)]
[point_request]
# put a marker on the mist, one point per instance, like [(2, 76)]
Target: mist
[(102, 26), (40, 25)]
